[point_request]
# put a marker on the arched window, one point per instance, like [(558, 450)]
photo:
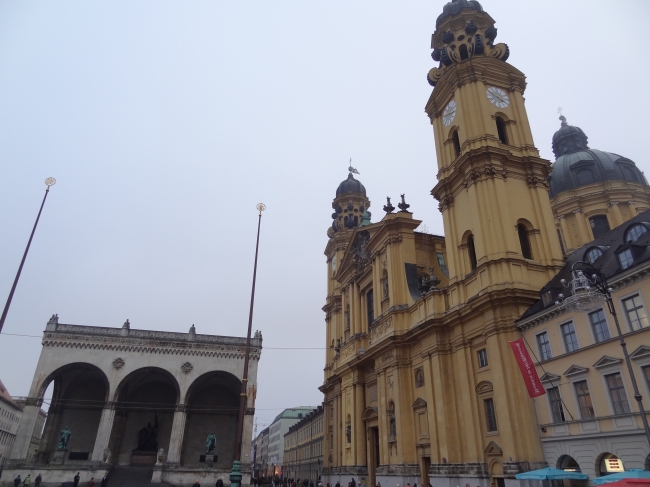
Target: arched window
[(522, 231), (634, 232), (456, 141), (592, 254), (462, 50), (471, 252), (501, 130), (599, 225)]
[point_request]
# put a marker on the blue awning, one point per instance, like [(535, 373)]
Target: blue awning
[(549, 473), (633, 473)]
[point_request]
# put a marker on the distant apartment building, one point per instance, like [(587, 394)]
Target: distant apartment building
[(303, 447), (10, 414)]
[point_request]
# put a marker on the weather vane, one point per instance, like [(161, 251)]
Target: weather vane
[(351, 169), (559, 110)]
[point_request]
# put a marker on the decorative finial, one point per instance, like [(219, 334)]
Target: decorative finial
[(562, 117), (351, 169), (403, 206), (388, 208)]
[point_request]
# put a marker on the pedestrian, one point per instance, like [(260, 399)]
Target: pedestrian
[(219, 483), (76, 480), (378, 484), (91, 482), (17, 481), (27, 480), (37, 481), (104, 481), (338, 484), (311, 483), (354, 484), (196, 484)]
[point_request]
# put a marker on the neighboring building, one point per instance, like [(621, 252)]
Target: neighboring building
[(588, 414), (258, 461), (38, 429), (303, 447), (124, 394), (273, 446), (10, 414)]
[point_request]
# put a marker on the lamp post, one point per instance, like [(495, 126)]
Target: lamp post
[(48, 182), (588, 294), (235, 473)]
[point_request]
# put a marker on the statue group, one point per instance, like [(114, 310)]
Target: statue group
[(148, 437)]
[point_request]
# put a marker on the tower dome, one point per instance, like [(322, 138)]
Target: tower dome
[(350, 185), (577, 165), (455, 6)]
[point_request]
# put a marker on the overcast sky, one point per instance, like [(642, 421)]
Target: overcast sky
[(165, 123)]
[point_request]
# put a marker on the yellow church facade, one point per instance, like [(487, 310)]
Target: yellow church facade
[(421, 384)]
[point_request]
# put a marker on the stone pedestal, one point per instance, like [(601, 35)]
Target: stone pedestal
[(210, 458), (156, 478), (59, 457), (143, 458)]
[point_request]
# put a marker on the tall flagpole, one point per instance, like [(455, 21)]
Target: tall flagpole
[(49, 182), (235, 474)]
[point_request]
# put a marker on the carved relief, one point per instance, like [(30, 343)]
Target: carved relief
[(187, 367), (118, 363), (419, 377), (382, 329)]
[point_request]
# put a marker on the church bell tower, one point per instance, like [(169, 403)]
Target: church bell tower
[(492, 185)]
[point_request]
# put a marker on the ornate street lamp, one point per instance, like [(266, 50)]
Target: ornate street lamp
[(235, 473), (48, 182), (588, 293)]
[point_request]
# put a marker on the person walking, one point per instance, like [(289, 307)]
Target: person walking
[(104, 481), (196, 484), (27, 480), (38, 480), (17, 481), (76, 480), (219, 483), (91, 482)]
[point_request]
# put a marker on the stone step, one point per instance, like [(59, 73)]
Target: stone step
[(131, 477)]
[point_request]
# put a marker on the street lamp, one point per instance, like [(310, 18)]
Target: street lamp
[(588, 294)]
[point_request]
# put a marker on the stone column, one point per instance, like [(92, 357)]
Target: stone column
[(616, 213), (566, 235), (584, 230), (633, 211), (25, 431), (176, 440), (104, 432)]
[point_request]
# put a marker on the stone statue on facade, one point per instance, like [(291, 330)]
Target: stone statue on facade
[(348, 433), (54, 320), (210, 443), (126, 325), (148, 437), (65, 437)]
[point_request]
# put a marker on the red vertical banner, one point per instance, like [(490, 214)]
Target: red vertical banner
[(528, 372)]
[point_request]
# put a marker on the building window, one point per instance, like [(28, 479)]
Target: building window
[(370, 302), (490, 415), (592, 254), (482, 358), (543, 346), (456, 142), (617, 393), (636, 315), (646, 374), (633, 233), (559, 236), (569, 337), (584, 399), (522, 231), (442, 264), (501, 130), (471, 251), (599, 325), (585, 176), (557, 411), (625, 258), (599, 225)]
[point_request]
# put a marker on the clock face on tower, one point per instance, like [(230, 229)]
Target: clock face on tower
[(449, 113), (498, 97)]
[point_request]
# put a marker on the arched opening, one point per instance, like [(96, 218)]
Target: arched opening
[(501, 130), (79, 394), (524, 241), (568, 463), (146, 401), (456, 140), (212, 407), (471, 252), (462, 50), (608, 463), (599, 225)]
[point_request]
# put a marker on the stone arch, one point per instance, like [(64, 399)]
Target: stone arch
[(567, 461), (600, 463), (211, 406), (145, 401), (496, 468), (526, 236), (79, 395), (484, 387), (468, 244)]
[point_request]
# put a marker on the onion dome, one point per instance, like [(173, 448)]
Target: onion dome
[(455, 6), (350, 185), (577, 165)]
